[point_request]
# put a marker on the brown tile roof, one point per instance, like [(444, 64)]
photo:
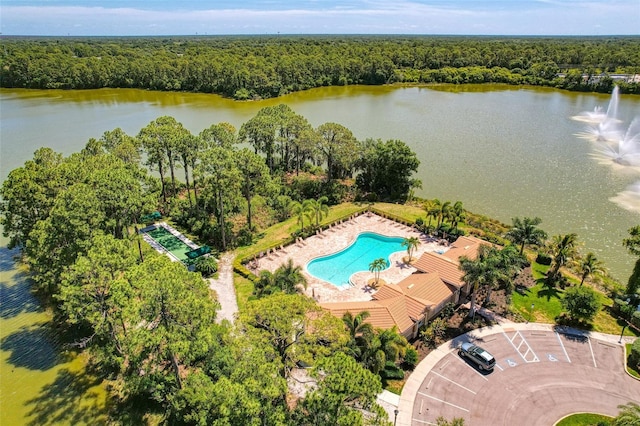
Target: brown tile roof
[(398, 304), (424, 290), (398, 310), (465, 246), (387, 291), (380, 316), (448, 270)]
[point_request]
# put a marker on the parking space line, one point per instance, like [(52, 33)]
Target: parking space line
[(423, 421), (476, 371), (498, 365), (444, 365), (451, 381), (562, 345), (592, 354), (535, 357), (444, 402)]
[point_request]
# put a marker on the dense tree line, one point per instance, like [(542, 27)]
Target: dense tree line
[(150, 324), (262, 66)]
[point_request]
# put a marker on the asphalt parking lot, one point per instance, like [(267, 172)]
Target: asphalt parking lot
[(541, 375)]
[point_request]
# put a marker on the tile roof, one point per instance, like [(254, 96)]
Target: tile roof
[(383, 316), (446, 268), (424, 290), (398, 304), (465, 246)]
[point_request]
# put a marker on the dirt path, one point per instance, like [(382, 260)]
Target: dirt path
[(224, 288)]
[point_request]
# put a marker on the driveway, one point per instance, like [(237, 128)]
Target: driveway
[(542, 374)]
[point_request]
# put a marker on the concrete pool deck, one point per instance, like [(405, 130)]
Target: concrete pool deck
[(337, 238)]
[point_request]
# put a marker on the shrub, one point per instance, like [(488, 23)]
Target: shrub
[(391, 372), (634, 357), (543, 259), (206, 265), (410, 358), (245, 236), (439, 327), (581, 303), (448, 310), (241, 270), (428, 338)]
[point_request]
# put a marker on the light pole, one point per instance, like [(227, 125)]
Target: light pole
[(395, 419), (626, 311)]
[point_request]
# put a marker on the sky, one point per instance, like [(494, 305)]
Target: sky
[(226, 17)]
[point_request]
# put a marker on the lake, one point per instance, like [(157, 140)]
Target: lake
[(503, 151)]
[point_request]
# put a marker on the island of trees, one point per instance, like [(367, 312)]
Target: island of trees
[(252, 67), (149, 325)]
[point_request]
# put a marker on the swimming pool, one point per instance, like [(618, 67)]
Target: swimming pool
[(337, 268)]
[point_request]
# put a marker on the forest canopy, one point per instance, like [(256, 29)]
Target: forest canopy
[(249, 67)]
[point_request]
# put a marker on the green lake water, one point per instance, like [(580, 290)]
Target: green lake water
[(503, 151), (40, 382)]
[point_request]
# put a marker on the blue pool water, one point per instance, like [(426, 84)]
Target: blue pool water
[(338, 267)]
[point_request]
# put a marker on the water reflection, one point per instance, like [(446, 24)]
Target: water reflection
[(67, 400)]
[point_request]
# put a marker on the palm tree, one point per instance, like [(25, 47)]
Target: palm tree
[(480, 272), (301, 210), (362, 333), (506, 264), (633, 242), (392, 343), (633, 245), (525, 231), (289, 278), (355, 324), (457, 214), (432, 208), (444, 212), (265, 284), (319, 208), (629, 415), (411, 243), (563, 249), (590, 266), (376, 266)]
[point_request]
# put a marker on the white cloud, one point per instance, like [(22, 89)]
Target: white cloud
[(540, 17)]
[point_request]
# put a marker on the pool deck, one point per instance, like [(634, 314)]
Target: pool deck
[(339, 237)]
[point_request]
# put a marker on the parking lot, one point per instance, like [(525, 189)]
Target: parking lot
[(541, 375)]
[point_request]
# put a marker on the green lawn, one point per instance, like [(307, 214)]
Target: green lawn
[(546, 303), (585, 419), (244, 289)]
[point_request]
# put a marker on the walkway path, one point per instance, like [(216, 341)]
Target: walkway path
[(489, 314), (225, 289)]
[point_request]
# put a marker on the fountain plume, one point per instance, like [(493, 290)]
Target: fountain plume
[(629, 199), (624, 151), (598, 115)]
